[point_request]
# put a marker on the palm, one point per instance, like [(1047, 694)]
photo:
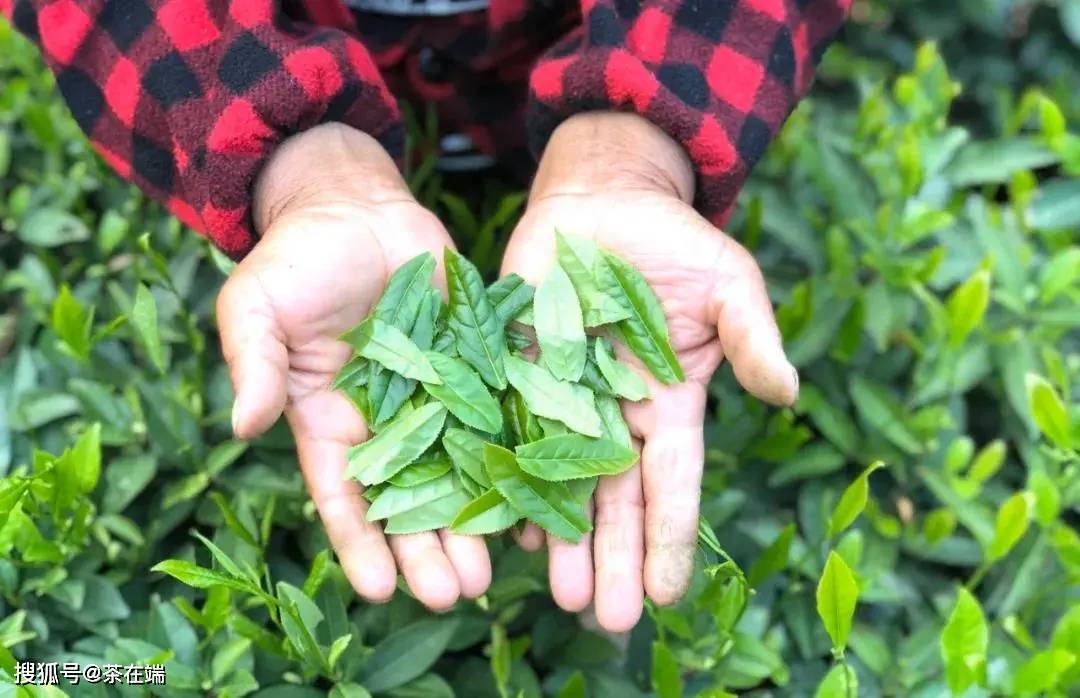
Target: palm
[(715, 304), (311, 278)]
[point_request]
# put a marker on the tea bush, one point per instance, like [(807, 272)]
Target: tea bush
[(907, 529)]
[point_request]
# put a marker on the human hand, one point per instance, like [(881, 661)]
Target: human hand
[(621, 181), (336, 220)]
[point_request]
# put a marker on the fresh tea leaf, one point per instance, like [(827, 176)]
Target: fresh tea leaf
[(145, 319), (463, 393), (421, 471), (579, 257), (396, 446), (383, 343), (438, 513), (395, 500), (466, 450), (840, 682), (559, 328), (837, 593), (853, 501), (547, 396), (645, 332), (405, 290), (573, 456), (964, 642), (1048, 410), (622, 379), (479, 332), (547, 504), (488, 513), (407, 653), (1010, 526), (509, 296)]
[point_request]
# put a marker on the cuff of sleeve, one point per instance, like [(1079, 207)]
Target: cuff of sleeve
[(613, 79), (220, 156)]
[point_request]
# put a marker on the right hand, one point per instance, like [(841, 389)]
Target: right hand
[(335, 220)]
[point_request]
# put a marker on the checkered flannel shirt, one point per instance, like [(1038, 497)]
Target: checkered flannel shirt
[(187, 98)]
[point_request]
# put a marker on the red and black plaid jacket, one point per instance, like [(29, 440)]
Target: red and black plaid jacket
[(187, 98)]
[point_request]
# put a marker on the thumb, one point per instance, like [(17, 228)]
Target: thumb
[(255, 351), (747, 328)]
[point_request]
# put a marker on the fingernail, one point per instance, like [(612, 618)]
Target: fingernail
[(794, 384), (235, 416)]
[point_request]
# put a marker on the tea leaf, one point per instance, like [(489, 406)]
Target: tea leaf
[(199, 577), (579, 258), (559, 328), (353, 374), (840, 682), (612, 422), (395, 500), (773, 558), (403, 296), (963, 643), (72, 323), (488, 513), (463, 393), (547, 504), (479, 332), (421, 471), (645, 332), (572, 456), (438, 513), (967, 306), (1048, 410), (393, 448), (836, 597), (853, 501), (547, 396), (622, 379), (1010, 526), (466, 450), (407, 653), (390, 347), (666, 676), (509, 296), (145, 319), (522, 424)]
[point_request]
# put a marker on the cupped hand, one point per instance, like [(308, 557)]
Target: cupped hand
[(336, 220), (617, 179)]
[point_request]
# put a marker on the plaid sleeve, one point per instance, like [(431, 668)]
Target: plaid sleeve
[(187, 98), (719, 76)]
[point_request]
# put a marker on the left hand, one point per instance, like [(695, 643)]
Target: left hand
[(621, 181)]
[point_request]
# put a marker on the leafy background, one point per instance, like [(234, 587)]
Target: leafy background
[(917, 221)]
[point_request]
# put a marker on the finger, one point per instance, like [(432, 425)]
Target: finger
[(570, 571), (671, 461), (747, 328), (530, 538), (427, 570), (360, 544), (255, 351), (619, 551), (470, 559)]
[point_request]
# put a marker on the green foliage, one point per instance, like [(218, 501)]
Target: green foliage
[(921, 244)]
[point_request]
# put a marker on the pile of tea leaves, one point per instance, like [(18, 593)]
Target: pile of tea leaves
[(469, 433)]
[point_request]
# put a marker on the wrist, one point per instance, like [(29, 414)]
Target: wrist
[(594, 152), (327, 165)]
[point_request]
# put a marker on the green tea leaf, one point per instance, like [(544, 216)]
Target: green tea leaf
[(666, 675), (880, 410), (407, 653), (438, 513), (488, 513), (579, 257), (773, 558), (547, 504), (466, 450), (464, 394), (1048, 410), (853, 501), (403, 297), (645, 332), (72, 323), (395, 500), (353, 374), (521, 424), (559, 327), (840, 682), (547, 396), (421, 471), (145, 319), (938, 525), (613, 424), (199, 577), (837, 593), (967, 306), (1010, 526), (622, 379), (964, 642), (390, 347), (509, 296), (572, 456), (479, 332), (393, 448)]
